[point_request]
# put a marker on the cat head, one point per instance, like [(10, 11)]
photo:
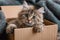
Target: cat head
[(30, 17)]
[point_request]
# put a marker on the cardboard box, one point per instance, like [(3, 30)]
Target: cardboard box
[(49, 32)]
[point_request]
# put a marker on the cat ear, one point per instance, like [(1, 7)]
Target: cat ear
[(25, 5), (41, 10)]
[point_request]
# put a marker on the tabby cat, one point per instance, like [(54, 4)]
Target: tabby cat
[(27, 18)]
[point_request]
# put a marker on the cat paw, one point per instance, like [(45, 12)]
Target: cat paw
[(10, 28), (37, 29)]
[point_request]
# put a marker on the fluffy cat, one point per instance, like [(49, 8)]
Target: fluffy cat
[(27, 18)]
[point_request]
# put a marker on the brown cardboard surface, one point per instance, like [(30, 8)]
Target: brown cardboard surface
[(49, 32), (12, 11)]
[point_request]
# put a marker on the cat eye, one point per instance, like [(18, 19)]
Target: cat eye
[(23, 15), (26, 15), (33, 16)]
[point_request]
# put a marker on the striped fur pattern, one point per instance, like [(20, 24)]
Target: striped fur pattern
[(27, 18)]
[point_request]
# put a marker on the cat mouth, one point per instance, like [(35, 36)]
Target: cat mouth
[(29, 24)]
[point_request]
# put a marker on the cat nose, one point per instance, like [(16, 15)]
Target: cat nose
[(29, 21)]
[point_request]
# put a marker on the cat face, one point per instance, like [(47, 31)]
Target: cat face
[(27, 17), (30, 17)]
